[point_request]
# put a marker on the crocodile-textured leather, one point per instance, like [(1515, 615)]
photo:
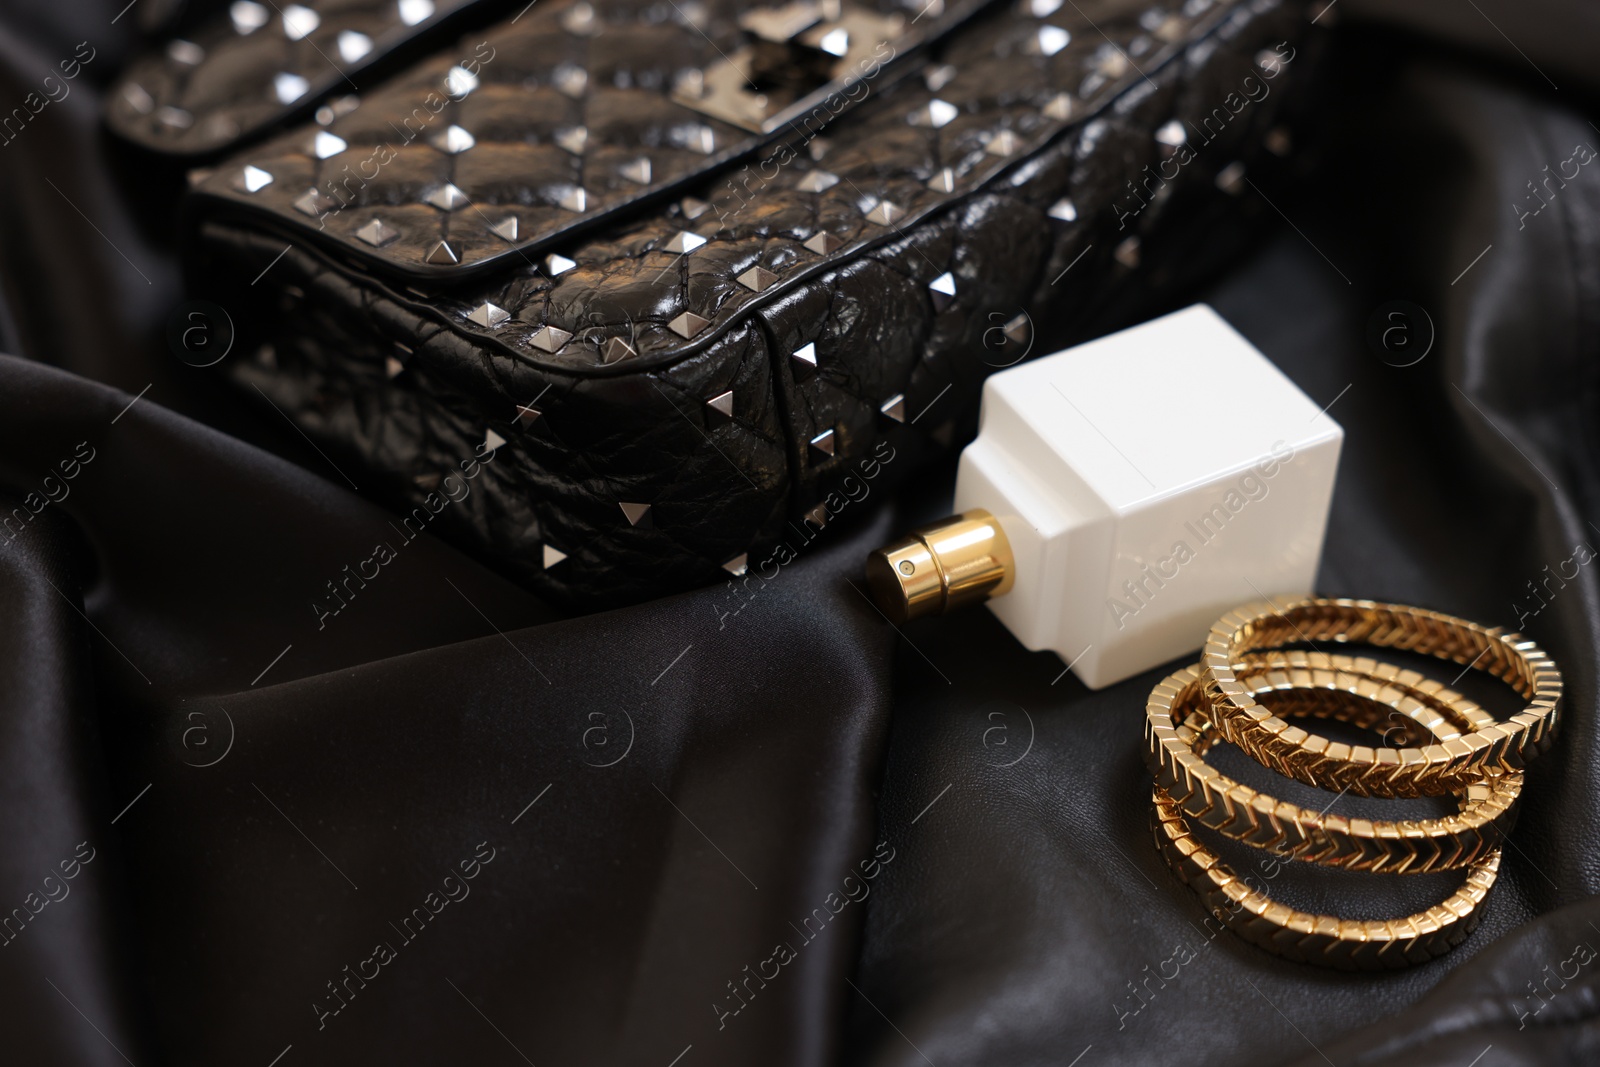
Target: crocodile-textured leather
[(697, 386)]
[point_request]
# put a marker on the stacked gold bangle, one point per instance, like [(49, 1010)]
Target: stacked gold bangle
[(1452, 746)]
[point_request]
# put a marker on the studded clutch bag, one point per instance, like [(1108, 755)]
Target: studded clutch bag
[(628, 296)]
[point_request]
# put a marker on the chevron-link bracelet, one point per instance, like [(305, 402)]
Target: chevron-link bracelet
[(1362, 692), (1428, 770), (1326, 940)]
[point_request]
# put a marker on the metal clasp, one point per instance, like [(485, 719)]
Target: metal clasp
[(795, 55)]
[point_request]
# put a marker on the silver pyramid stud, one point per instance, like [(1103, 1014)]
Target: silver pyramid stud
[(1004, 143), (312, 203), (392, 367), (299, 22), (248, 17), (688, 324), (447, 197), (937, 114), (895, 407), (176, 117), (492, 441), (138, 98), (415, 11), (884, 213), (428, 482), (818, 148), (1049, 40), (251, 179), (757, 279), (579, 19), (353, 46), (805, 358), (442, 255), (936, 78), (552, 556), (377, 233), (683, 243), (337, 108), (943, 289), (527, 415), (722, 404), (738, 565), (452, 140), (1059, 108), (637, 172), (505, 229), (943, 182), (488, 315), (1230, 179), (693, 208), (1171, 134), (817, 181), (325, 145), (836, 42), (1017, 329), (1041, 9), (1171, 28), (1127, 253), (1269, 61), (549, 338), (570, 80), (573, 139), (189, 54), (822, 444), (818, 516), (636, 514), (459, 81), (822, 242), (1064, 210), (698, 139), (1110, 61), (615, 350), (556, 265), (289, 87), (690, 83), (575, 199)]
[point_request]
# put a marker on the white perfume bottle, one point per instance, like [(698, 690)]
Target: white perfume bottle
[(1124, 494)]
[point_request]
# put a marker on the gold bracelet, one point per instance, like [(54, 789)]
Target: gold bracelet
[(1325, 940), (1428, 770), (1178, 732)]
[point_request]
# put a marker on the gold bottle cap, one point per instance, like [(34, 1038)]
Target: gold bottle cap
[(960, 560)]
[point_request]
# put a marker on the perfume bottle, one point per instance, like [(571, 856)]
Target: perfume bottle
[(1123, 494)]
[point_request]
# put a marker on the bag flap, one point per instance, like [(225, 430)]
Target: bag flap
[(565, 115)]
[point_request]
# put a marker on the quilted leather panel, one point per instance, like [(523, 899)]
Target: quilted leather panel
[(883, 318), (546, 124), (561, 479), (262, 64)]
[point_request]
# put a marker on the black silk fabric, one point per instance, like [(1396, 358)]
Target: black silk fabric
[(749, 825)]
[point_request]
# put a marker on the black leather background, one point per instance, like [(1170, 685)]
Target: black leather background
[(777, 739)]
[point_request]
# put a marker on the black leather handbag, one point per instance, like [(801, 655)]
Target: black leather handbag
[(628, 296)]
